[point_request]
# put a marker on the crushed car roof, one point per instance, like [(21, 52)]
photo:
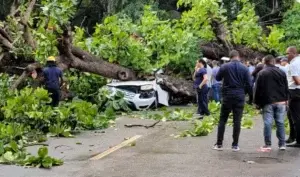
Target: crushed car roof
[(130, 83)]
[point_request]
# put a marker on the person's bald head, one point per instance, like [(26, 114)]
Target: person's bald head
[(291, 53)]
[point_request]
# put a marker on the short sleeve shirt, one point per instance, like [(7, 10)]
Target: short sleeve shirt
[(214, 74), (199, 77), (51, 76), (293, 70)]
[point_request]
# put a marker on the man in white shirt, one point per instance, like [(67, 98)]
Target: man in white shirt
[(209, 75), (294, 89)]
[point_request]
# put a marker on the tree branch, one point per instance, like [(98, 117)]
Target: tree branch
[(5, 42), (4, 34), (28, 12), (14, 8), (30, 68), (28, 37)]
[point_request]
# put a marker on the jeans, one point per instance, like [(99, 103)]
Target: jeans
[(276, 112), (55, 96), (234, 104), (216, 92), (202, 95)]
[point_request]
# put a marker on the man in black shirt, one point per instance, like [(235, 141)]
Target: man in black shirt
[(271, 94), (236, 80)]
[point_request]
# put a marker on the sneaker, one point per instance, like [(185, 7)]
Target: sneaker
[(235, 148), (218, 147), (266, 148), (297, 145), (290, 141), (282, 148)]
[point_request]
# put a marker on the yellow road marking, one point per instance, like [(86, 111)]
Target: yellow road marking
[(115, 148)]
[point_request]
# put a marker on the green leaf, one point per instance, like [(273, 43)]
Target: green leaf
[(47, 162), (14, 146), (9, 156), (1, 148), (43, 152)]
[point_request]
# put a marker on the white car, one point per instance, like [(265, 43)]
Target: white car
[(141, 94)]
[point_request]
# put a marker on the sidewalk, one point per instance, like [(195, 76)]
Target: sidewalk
[(157, 154)]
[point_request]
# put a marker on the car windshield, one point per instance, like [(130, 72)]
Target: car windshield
[(129, 88)]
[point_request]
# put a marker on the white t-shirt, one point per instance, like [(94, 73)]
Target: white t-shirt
[(209, 75), (293, 70)]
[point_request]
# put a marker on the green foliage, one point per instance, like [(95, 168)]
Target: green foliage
[(199, 18), (172, 115), (11, 153), (26, 112), (245, 29), (12, 149), (85, 85), (201, 128), (108, 101), (42, 160), (274, 40), (291, 26), (206, 126), (145, 45), (29, 107), (59, 11), (11, 132)]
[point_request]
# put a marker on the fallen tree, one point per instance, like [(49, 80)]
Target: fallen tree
[(71, 56)]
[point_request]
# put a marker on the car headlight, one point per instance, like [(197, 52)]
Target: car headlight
[(147, 87)]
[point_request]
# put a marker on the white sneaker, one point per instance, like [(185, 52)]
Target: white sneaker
[(282, 148), (218, 147)]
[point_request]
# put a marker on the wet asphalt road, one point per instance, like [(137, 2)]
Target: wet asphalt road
[(157, 154)]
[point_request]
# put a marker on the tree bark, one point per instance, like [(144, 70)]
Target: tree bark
[(73, 57)]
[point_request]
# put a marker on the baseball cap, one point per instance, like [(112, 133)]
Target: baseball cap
[(225, 58), (51, 58), (284, 59)]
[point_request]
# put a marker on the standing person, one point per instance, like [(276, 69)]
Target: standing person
[(294, 90), (271, 94), (236, 80), (251, 68), (284, 62), (259, 67), (209, 77), (200, 85), (53, 78), (216, 85)]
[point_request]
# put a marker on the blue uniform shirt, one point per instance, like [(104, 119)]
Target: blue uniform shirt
[(236, 79), (199, 77), (51, 76)]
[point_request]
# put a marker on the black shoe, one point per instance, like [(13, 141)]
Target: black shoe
[(297, 145), (290, 141)]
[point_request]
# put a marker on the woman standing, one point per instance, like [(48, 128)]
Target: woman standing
[(200, 84)]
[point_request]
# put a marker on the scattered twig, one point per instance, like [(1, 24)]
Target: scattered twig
[(61, 146), (139, 125)]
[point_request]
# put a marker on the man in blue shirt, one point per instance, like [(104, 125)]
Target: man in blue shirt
[(236, 81), (200, 84), (53, 79)]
